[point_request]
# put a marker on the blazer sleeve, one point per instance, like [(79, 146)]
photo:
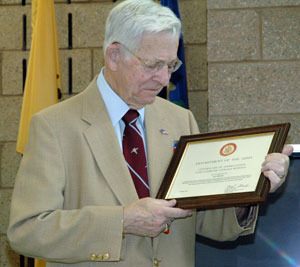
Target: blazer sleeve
[(222, 224), (193, 124), (40, 227)]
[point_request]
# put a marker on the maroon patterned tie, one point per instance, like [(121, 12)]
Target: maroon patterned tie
[(134, 153)]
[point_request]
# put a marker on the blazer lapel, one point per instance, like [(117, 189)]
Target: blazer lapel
[(159, 146), (160, 141), (104, 145)]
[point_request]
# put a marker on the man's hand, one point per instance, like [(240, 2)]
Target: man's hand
[(149, 216), (275, 167)]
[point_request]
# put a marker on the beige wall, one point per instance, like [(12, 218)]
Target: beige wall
[(253, 53), (254, 64)]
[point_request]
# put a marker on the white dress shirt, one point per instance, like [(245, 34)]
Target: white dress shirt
[(117, 108)]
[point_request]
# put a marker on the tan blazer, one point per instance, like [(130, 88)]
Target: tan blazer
[(73, 183)]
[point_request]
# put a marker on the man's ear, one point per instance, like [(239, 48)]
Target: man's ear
[(113, 56)]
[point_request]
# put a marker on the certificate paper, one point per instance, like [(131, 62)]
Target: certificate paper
[(222, 169), (229, 166)]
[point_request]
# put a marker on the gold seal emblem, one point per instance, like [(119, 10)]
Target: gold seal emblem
[(228, 149)]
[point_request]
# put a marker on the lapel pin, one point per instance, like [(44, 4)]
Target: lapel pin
[(163, 131)]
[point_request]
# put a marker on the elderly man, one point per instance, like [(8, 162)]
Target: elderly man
[(84, 195)]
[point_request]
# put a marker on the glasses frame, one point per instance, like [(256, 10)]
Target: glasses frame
[(153, 67)]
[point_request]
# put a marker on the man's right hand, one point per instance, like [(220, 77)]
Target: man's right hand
[(149, 216)]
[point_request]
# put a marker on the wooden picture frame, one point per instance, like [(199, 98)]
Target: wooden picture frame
[(222, 169)]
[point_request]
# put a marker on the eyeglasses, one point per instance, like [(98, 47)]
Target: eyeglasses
[(155, 66)]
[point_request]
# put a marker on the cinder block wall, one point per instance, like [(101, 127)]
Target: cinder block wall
[(88, 17), (253, 53), (254, 64)]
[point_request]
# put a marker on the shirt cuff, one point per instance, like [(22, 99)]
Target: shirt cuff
[(245, 215)]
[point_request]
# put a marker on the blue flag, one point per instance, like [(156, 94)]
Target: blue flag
[(178, 87)]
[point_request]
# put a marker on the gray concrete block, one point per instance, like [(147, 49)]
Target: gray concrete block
[(233, 35), (196, 67), (98, 61), (223, 4), (193, 16), (223, 123), (11, 21), (198, 105), (88, 23), (257, 88), (5, 199), (281, 33), (8, 258), (10, 108), (9, 164), (12, 71), (81, 69)]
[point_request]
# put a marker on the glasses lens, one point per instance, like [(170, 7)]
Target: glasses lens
[(172, 67), (157, 66), (176, 66)]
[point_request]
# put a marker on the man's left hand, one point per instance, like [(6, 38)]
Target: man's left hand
[(275, 167)]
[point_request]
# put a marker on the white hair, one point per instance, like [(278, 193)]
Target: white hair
[(129, 20)]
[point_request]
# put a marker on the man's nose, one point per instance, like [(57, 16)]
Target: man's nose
[(163, 76)]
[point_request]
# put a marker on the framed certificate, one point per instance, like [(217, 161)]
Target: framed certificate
[(222, 169)]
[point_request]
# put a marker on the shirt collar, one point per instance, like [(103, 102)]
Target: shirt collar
[(115, 105)]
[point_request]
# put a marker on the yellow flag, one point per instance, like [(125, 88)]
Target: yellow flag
[(39, 263), (43, 75)]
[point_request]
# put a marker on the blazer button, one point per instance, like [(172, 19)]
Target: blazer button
[(106, 256), (156, 262), (93, 257), (99, 257)]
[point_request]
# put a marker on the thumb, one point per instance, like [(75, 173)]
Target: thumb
[(171, 203), (287, 150)]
